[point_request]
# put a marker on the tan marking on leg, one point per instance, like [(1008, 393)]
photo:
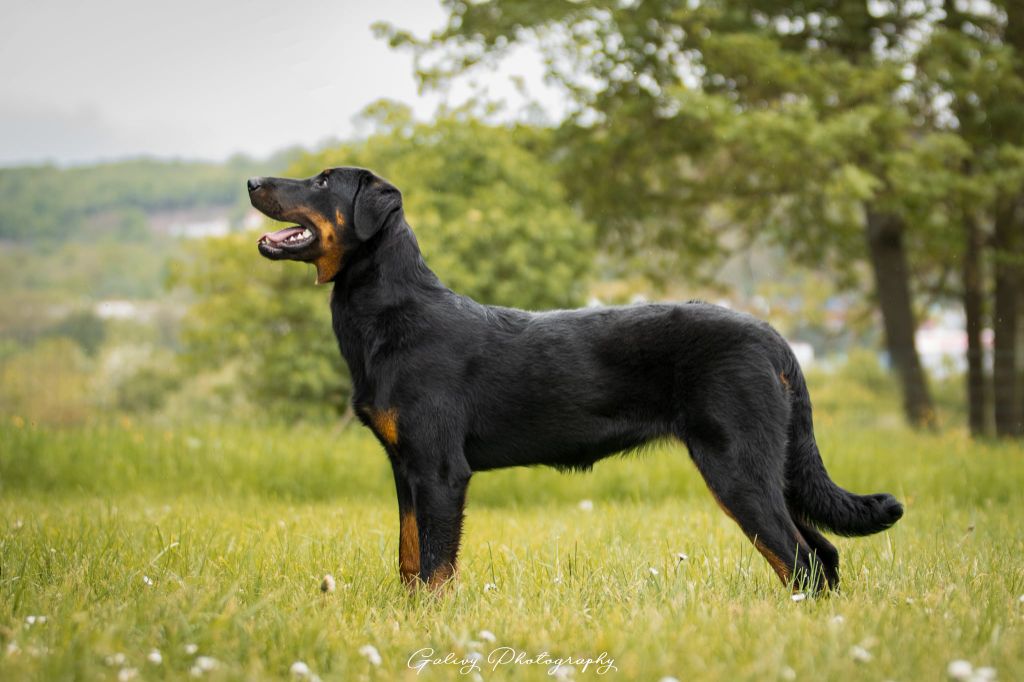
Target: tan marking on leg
[(385, 424), (784, 380), (778, 565), (442, 577), (409, 550), (781, 567)]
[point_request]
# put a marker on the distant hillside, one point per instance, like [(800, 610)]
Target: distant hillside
[(72, 236), (47, 203)]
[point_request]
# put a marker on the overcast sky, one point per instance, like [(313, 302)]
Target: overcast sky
[(107, 79)]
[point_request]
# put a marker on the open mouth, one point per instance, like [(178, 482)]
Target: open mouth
[(292, 239)]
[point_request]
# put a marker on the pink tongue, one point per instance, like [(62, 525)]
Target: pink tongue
[(280, 235)]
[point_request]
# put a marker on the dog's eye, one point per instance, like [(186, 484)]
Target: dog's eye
[(320, 182)]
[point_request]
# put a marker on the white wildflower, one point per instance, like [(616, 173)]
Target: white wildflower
[(860, 654), (147, 580), (155, 657), (191, 649), (653, 570), (13, 649), (117, 659), (1021, 599), (370, 653), (207, 663), (563, 673), (299, 669), (474, 657), (799, 596), (328, 584), (669, 678), (487, 636), (787, 673), (682, 556), (586, 505), (489, 586), (195, 671), (985, 674), (959, 669), (837, 620), (126, 674)]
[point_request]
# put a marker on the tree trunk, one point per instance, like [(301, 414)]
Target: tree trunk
[(973, 293), (1007, 242), (1008, 367), (892, 286)]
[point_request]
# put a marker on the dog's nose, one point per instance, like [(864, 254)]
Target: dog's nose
[(254, 184)]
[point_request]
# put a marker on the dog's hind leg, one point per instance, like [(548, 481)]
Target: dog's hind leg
[(825, 552), (747, 481)]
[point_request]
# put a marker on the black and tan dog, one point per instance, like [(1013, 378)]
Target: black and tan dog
[(451, 387)]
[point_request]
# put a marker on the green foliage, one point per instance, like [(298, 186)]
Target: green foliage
[(147, 389), (83, 327), (490, 215), (267, 323), (789, 118)]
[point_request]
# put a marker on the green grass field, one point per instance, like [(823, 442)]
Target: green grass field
[(209, 545)]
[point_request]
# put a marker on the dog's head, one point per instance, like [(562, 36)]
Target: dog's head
[(334, 212)]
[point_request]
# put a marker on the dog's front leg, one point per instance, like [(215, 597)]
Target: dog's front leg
[(440, 498), (408, 534)]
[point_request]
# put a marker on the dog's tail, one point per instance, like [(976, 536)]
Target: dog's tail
[(810, 492)]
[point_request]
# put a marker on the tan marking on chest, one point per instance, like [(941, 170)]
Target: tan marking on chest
[(328, 263)]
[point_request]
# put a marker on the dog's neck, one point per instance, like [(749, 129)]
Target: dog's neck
[(372, 297)]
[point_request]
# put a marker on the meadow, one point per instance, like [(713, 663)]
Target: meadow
[(141, 551)]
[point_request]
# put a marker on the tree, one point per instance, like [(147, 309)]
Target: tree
[(1009, 244), (786, 114), (972, 62)]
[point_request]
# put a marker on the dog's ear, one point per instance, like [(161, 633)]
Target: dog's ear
[(377, 203)]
